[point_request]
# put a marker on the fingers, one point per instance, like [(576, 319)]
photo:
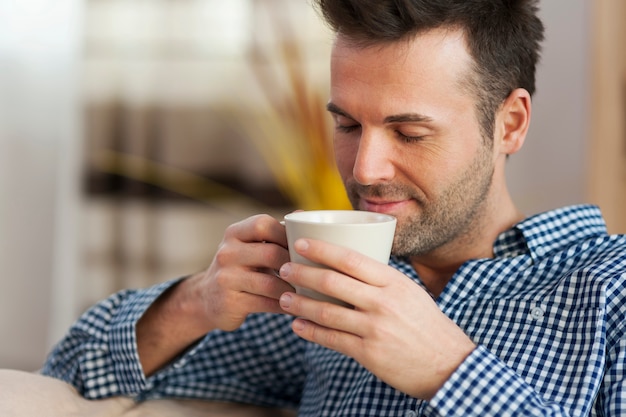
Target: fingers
[(266, 285), (353, 278), (255, 303), (327, 282), (324, 320), (251, 255), (343, 260), (258, 242), (341, 342), (242, 277), (228, 313), (327, 324), (259, 228)]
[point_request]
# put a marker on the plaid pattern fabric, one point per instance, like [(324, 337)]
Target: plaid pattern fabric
[(548, 313)]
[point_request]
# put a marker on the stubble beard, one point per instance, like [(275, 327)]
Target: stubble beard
[(453, 216)]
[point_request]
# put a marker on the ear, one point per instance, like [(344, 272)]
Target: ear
[(512, 121)]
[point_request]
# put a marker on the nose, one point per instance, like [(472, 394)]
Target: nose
[(374, 159)]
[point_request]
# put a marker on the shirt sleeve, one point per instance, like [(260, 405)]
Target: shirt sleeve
[(99, 355), (484, 386), (261, 363), (611, 400)]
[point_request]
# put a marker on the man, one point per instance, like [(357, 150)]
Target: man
[(480, 312)]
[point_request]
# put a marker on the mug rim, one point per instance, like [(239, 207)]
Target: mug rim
[(372, 216)]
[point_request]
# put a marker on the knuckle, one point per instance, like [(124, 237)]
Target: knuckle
[(267, 285), (223, 256), (325, 315), (330, 339), (221, 278), (327, 281), (352, 261), (257, 224), (260, 224)]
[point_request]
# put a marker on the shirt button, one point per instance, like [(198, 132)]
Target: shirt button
[(536, 313), (410, 413), (179, 364)]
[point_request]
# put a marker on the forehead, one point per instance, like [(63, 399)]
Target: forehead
[(434, 57)]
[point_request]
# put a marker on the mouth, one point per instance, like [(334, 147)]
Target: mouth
[(383, 206), (392, 199)]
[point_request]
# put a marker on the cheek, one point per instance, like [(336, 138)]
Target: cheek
[(430, 168)]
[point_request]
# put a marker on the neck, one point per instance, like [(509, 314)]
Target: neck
[(437, 267)]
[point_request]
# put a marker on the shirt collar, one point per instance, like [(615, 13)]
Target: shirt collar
[(526, 243), (544, 233)]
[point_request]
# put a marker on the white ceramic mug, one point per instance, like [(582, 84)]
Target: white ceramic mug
[(366, 232)]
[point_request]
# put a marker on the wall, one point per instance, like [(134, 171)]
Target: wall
[(39, 44), (550, 169), (606, 182)]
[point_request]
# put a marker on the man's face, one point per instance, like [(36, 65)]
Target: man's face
[(408, 140)]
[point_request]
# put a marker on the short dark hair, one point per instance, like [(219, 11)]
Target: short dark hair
[(503, 37)]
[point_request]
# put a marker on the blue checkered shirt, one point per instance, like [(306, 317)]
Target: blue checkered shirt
[(547, 313)]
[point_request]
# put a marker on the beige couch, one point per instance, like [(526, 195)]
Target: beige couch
[(24, 394)]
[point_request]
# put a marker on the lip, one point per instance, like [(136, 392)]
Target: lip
[(386, 207)]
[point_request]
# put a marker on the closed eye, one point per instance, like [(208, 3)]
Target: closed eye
[(344, 124), (347, 129), (408, 138)]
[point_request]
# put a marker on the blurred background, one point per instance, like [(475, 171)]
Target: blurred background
[(133, 132)]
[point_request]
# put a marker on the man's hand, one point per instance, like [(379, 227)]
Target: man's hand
[(241, 280), (395, 329), (243, 276)]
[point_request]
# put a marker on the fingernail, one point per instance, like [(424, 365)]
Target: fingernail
[(285, 300), (285, 270), (298, 324), (301, 244)]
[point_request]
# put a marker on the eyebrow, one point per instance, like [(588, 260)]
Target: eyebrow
[(333, 108), (398, 118), (408, 117)]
